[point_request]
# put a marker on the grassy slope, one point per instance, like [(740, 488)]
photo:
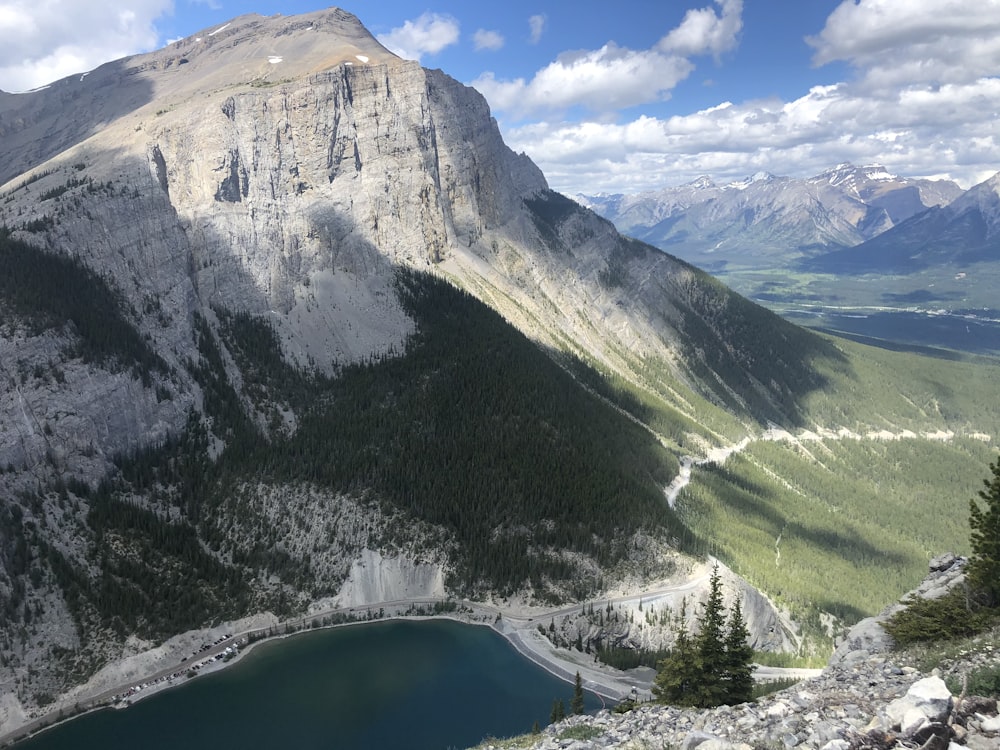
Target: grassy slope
[(861, 516), (858, 517)]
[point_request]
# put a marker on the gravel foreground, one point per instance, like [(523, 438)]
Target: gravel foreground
[(872, 704)]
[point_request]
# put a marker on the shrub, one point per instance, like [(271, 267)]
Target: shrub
[(985, 682), (950, 616)]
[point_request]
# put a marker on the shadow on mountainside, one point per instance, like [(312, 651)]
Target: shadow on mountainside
[(743, 356), (39, 124)]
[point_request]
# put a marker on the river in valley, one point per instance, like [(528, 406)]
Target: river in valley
[(399, 684)]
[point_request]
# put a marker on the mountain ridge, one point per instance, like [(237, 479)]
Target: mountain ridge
[(280, 234), (768, 215), (959, 234)]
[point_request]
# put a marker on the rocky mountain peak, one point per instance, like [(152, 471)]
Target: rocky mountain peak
[(250, 50), (702, 183), (754, 179)]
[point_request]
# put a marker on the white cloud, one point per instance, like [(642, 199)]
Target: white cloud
[(428, 34), (613, 77), (702, 31), (924, 100), (918, 132), (44, 40), (919, 41), (537, 26), (489, 40), (602, 80)]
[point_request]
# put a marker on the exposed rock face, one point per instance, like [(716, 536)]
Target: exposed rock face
[(869, 637), (286, 168), (375, 578), (871, 704)]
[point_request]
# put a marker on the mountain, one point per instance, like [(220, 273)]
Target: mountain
[(275, 298), (283, 321), (856, 250), (958, 235), (777, 217)]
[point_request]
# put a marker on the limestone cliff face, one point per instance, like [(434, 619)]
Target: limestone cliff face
[(242, 187), (285, 168)]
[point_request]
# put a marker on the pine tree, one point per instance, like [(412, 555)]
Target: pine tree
[(983, 569), (576, 705), (739, 669), (712, 668), (711, 644), (558, 712), (677, 674)]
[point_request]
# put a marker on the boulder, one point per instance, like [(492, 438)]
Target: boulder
[(929, 696)]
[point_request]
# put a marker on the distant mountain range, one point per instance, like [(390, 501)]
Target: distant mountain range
[(764, 215), (962, 233), (854, 249)]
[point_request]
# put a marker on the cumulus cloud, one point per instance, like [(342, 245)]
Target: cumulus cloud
[(927, 42), (427, 35), (602, 80), (44, 40), (924, 132), (614, 77), (923, 99), (488, 40), (536, 24), (703, 32)]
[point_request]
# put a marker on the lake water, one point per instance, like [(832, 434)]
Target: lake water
[(399, 684)]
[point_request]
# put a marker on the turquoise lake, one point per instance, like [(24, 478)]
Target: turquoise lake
[(399, 684)]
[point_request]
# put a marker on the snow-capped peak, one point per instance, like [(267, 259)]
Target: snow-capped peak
[(848, 174), (756, 177), (702, 182), (878, 172)]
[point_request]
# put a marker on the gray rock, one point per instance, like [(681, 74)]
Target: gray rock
[(697, 739), (929, 696), (942, 562), (990, 725), (864, 639), (716, 744), (978, 742)]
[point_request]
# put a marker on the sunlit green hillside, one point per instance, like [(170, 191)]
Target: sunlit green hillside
[(841, 512)]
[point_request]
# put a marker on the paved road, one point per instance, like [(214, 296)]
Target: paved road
[(607, 686)]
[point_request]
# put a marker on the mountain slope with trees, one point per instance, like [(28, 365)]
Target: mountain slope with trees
[(326, 310)]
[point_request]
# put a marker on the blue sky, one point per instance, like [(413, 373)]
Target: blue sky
[(631, 95)]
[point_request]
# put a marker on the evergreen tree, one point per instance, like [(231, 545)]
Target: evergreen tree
[(576, 705), (677, 674), (558, 712), (712, 668), (984, 565), (739, 669), (711, 644)]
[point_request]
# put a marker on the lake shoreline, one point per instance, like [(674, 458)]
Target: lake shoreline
[(603, 681)]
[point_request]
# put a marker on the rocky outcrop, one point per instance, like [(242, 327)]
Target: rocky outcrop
[(869, 705), (869, 637), (650, 623), (863, 700), (375, 578)]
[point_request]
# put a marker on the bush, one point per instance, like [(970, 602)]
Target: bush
[(985, 682), (580, 732), (950, 616)]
